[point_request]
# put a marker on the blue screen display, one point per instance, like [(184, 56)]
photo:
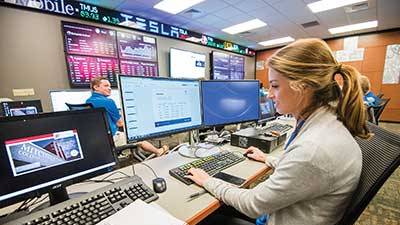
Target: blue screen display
[(158, 106), (226, 102)]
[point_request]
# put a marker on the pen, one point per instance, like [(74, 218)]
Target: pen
[(197, 194)]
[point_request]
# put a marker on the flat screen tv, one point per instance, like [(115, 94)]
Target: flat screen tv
[(186, 64), (226, 66)]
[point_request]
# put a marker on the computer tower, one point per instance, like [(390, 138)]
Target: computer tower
[(254, 137)]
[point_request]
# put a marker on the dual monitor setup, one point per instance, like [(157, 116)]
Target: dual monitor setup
[(155, 107)]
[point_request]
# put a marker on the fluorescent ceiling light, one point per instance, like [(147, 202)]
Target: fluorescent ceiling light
[(353, 27), (325, 5), (249, 25), (276, 41), (175, 6)]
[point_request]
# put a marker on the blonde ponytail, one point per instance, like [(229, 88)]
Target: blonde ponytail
[(309, 63), (351, 109)]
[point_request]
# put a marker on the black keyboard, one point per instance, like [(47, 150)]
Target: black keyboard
[(92, 207), (277, 128), (211, 164)]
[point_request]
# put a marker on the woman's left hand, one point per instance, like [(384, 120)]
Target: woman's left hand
[(199, 176)]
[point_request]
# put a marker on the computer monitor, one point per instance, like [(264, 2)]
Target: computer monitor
[(20, 108), (60, 97), (267, 110), (187, 64), (46, 152), (228, 102), (154, 107)]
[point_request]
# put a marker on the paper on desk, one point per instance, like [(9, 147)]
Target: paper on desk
[(141, 213)]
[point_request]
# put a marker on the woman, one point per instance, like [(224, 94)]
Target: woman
[(315, 177)]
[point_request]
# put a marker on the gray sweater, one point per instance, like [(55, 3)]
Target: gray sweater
[(312, 181)]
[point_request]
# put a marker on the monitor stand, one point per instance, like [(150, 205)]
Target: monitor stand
[(195, 149), (57, 195)]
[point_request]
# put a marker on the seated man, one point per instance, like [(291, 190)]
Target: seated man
[(370, 99), (101, 90)]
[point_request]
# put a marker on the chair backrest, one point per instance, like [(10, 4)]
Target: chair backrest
[(380, 158), (380, 95), (378, 110), (73, 107)]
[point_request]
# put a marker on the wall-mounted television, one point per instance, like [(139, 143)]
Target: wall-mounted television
[(93, 51), (226, 66), (187, 64), (137, 54)]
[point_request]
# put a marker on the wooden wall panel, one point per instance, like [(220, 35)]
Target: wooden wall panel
[(371, 66)]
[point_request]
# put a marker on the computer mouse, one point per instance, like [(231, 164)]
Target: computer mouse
[(159, 185), (246, 154)]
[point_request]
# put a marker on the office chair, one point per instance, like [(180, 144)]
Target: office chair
[(381, 157), (378, 110), (380, 95), (73, 107)]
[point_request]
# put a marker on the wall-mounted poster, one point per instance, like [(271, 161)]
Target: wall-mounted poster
[(391, 73)]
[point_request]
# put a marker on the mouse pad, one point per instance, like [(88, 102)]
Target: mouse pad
[(230, 178)]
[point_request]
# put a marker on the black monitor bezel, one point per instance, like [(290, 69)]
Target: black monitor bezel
[(236, 122), (43, 190), (183, 50), (160, 134), (36, 102)]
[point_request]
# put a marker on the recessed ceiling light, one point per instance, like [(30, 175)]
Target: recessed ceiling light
[(277, 41), (175, 6), (325, 5), (353, 27), (249, 25)]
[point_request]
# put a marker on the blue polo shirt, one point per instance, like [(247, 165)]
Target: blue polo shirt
[(101, 101), (372, 100)]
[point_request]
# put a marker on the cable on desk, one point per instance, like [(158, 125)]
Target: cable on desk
[(144, 164), (105, 179)]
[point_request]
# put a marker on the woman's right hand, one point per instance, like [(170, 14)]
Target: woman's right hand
[(255, 153)]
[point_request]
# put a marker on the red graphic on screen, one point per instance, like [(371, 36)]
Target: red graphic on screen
[(84, 68), (138, 68), (88, 40)]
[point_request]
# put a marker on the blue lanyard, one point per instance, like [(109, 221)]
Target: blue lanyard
[(295, 132)]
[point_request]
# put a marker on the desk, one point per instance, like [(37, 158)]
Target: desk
[(175, 199)]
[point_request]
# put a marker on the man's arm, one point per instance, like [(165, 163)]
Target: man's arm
[(120, 123)]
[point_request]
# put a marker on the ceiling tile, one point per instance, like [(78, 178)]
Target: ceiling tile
[(388, 14), (228, 12), (295, 10), (211, 20), (250, 5), (132, 7), (210, 6), (363, 16), (104, 4), (264, 12), (332, 18), (232, 2)]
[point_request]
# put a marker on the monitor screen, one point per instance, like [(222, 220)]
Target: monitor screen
[(57, 150), (60, 97), (21, 108), (186, 64), (91, 51), (267, 109), (227, 102), (138, 54), (226, 66), (158, 106)]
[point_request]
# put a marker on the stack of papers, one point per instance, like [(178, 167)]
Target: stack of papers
[(141, 213)]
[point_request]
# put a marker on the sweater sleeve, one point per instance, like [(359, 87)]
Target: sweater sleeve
[(294, 179)]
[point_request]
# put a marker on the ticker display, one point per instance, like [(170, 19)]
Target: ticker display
[(81, 10)]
